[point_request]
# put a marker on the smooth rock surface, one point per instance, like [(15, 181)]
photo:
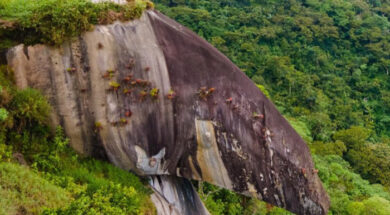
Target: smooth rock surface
[(176, 196), (233, 137)]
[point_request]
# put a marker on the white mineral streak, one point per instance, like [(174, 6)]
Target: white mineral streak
[(208, 155), (252, 191)]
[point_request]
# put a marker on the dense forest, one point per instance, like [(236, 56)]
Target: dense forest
[(324, 63)]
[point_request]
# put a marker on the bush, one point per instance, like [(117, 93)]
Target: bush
[(55, 21), (29, 107), (331, 148), (372, 161), (354, 137), (220, 201), (5, 151), (113, 199), (48, 158), (29, 133), (24, 192)]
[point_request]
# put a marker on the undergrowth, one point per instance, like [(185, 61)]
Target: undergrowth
[(23, 191)]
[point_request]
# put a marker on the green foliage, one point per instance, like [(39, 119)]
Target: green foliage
[(99, 188), (113, 199), (220, 201), (301, 128), (344, 186), (369, 159), (28, 133), (330, 148), (354, 137), (29, 107), (3, 114), (263, 90), (5, 152), (48, 157), (55, 21), (23, 191), (91, 186), (372, 206), (372, 161)]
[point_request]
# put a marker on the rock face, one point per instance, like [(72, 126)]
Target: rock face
[(157, 99), (176, 196)]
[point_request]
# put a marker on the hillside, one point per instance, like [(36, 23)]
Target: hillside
[(323, 63)]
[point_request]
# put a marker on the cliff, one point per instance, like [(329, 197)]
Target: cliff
[(156, 99)]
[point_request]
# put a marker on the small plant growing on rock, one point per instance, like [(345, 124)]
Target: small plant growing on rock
[(154, 93), (139, 81), (98, 126), (71, 69), (123, 121), (127, 79), (146, 83), (110, 71), (127, 91), (106, 76), (229, 100), (204, 93), (109, 74), (128, 113), (257, 116), (149, 5), (171, 95), (142, 83), (142, 95), (303, 170), (114, 85)]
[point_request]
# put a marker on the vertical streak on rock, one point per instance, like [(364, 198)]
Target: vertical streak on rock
[(209, 157), (176, 196)]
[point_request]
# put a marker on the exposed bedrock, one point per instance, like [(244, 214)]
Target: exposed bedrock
[(176, 196), (157, 99)]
